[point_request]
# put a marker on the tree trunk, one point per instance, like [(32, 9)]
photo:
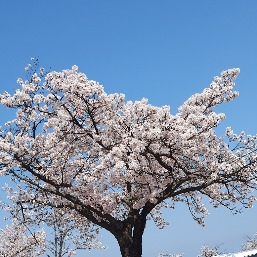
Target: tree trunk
[(130, 239), (130, 249)]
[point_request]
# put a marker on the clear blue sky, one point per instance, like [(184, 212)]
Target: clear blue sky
[(162, 50)]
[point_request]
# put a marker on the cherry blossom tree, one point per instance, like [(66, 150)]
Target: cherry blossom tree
[(15, 241), (119, 163), (251, 243), (207, 251), (71, 235), (169, 255), (66, 232)]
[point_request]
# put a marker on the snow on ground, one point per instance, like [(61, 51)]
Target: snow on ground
[(239, 254)]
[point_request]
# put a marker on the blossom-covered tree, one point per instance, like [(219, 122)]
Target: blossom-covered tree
[(118, 163), (207, 251), (251, 243), (16, 241), (70, 235), (66, 232), (169, 255)]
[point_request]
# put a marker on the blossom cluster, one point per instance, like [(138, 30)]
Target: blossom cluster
[(16, 242), (251, 243), (67, 232)]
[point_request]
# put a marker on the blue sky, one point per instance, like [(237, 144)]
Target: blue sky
[(162, 50)]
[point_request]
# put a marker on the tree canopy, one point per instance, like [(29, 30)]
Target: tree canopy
[(118, 163)]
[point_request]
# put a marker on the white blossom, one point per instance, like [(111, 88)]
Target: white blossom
[(15, 241)]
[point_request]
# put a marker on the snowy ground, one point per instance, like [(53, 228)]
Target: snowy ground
[(239, 254)]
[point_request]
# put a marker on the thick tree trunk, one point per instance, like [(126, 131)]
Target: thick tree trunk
[(130, 249), (130, 239)]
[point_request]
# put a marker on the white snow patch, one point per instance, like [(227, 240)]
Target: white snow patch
[(239, 254)]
